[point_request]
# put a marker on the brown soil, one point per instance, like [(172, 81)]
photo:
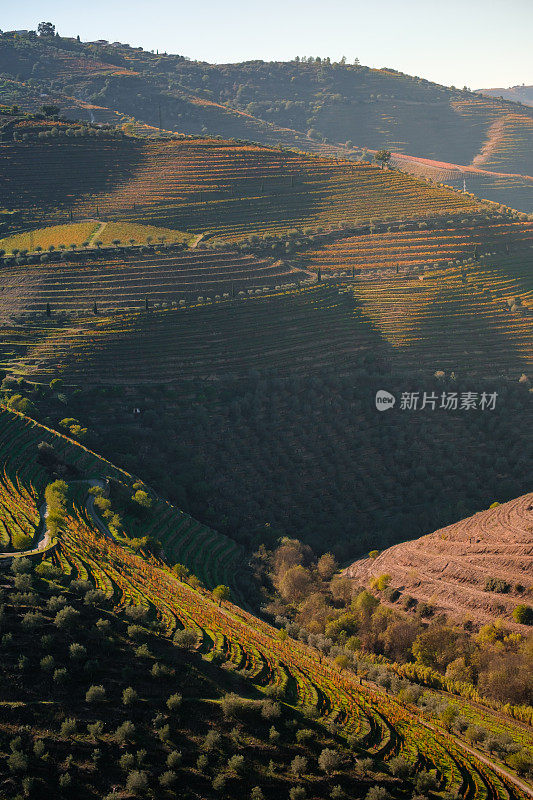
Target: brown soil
[(449, 569)]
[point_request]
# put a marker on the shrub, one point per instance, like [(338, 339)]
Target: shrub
[(522, 761), (273, 735), (304, 735), (66, 618), (129, 696), (497, 585), (185, 638), (202, 762), (270, 710), (219, 783), (400, 767), (125, 732), (69, 727), (297, 793), (137, 783), (174, 759), (77, 651), (47, 663), (95, 694), (298, 765), (32, 620), (95, 729), (56, 602), (168, 779), (257, 794), (174, 702), (523, 614), (426, 781), (377, 793), (126, 761), (329, 760), (17, 762), (236, 764), (212, 740)]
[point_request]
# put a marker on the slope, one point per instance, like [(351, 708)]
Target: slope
[(478, 569), (374, 723)]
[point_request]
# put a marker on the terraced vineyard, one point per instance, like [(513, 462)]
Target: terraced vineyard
[(420, 249), (476, 318), (211, 556), (19, 516), (376, 723), (87, 234), (132, 279), (199, 185), (288, 330)]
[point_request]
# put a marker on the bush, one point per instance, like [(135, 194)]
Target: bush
[(522, 761), (69, 727), (219, 783), (523, 614), (126, 761), (212, 740), (174, 702), (17, 762), (297, 793), (137, 783), (400, 767), (377, 793), (129, 696), (168, 779), (257, 793), (66, 618), (185, 638), (426, 781), (497, 585), (329, 760), (95, 694), (125, 732), (95, 729), (174, 759), (236, 764), (298, 765), (48, 663), (77, 651)]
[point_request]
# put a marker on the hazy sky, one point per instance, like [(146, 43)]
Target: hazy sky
[(478, 43)]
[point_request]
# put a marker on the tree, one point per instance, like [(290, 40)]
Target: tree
[(383, 157), (298, 765), (46, 29), (221, 593), (295, 584), (327, 566), (137, 783), (50, 111), (523, 614), (329, 760), (95, 694)]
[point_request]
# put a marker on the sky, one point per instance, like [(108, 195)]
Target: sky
[(474, 43)]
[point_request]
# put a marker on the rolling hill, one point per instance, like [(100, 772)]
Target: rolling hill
[(478, 569), (313, 105)]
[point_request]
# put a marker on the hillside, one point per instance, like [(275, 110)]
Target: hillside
[(518, 94), (312, 105), (206, 185), (144, 641), (478, 569)]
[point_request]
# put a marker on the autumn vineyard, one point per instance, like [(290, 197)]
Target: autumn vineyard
[(225, 570)]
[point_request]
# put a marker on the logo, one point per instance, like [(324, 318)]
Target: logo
[(384, 400)]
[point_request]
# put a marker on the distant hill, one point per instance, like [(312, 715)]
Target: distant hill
[(478, 569), (314, 105), (518, 94)]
